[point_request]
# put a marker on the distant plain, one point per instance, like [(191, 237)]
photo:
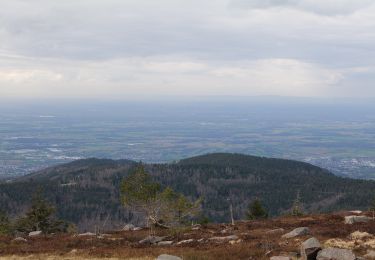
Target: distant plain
[(335, 134)]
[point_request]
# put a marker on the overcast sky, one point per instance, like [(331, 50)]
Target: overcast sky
[(125, 49)]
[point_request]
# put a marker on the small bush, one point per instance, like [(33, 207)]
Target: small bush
[(5, 225), (256, 211)]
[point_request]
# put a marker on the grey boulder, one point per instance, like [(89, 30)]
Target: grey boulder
[(277, 231), (87, 234), (310, 249), (224, 239), (188, 241), (35, 233), (356, 219), (301, 231), (137, 228), (335, 254), (151, 240), (165, 243), (20, 239), (128, 227), (168, 257)]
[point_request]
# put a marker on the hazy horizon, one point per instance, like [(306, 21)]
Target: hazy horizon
[(161, 80), (335, 134)]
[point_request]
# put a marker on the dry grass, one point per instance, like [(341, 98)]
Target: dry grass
[(54, 257), (124, 245)]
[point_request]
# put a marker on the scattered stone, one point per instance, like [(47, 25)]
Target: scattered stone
[(357, 212), (196, 227), (128, 227), (115, 238), (232, 242), (278, 231), (280, 258), (227, 230), (357, 235), (223, 239), (165, 243), (168, 257), (20, 239), (370, 254), (73, 251), (131, 227), (187, 241), (201, 240), (301, 231), (310, 249), (35, 233), (151, 240), (137, 228), (87, 234), (335, 254), (104, 236), (356, 219)]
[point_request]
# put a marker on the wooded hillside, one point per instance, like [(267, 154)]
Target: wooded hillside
[(86, 192)]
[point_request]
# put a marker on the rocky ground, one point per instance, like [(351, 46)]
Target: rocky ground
[(322, 237)]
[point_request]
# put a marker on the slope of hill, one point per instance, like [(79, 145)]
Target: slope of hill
[(69, 170), (257, 240), (86, 192)]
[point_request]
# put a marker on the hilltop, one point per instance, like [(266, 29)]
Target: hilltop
[(86, 192)]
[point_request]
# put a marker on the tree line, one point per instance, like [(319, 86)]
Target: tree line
[(158, 204)]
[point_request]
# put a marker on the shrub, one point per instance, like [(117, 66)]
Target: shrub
[(5, 225), (256, 211)]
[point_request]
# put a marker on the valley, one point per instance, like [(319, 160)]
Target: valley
[(337, 137)]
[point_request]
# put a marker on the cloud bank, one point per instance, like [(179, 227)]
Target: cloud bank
[(92, 48)]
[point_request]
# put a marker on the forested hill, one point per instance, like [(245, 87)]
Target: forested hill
[(86, 192), (253, 162), (70, 170)]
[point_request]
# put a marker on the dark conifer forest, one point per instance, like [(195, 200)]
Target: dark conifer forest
[(87, 192)]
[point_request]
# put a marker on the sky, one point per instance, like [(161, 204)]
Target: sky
[(136, 48)]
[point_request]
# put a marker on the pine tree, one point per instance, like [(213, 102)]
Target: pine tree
[(40, 217), (297, 207), (256, 211)]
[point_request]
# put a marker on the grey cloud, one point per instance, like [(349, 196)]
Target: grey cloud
[(95, 31), (322, 7), (262, 4), (68, 37)]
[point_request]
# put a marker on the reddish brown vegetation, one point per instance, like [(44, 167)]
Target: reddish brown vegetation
[(256, 243)]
